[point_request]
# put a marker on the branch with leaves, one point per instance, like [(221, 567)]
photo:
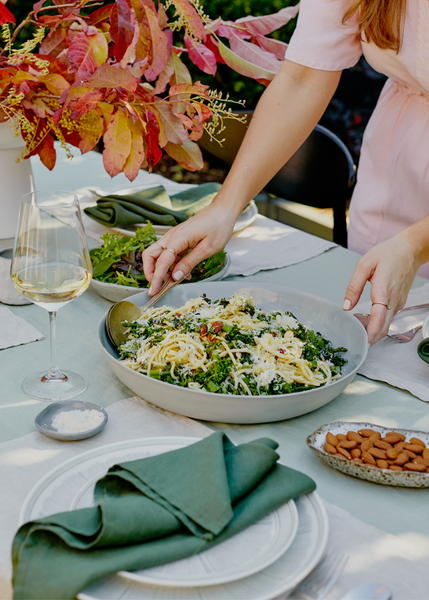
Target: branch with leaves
[(116, 74)]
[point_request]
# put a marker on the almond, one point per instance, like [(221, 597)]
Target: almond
[(375, 436), (341, 437), (382, 464), (348, 444), (395, 468), (401, 459), (425, 453), (367, 458), (392, 453), (417, 442), (356, 452), (366, 445), (330, 449), (366, 432), (331, 439), (352, 435), (382, 445), (393, 437), (378, 453), (414, 467), (344, 452), (416, 448)]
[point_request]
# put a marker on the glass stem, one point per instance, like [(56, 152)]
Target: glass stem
[(54, 372)]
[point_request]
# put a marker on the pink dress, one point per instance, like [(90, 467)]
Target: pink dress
[(392, 190)]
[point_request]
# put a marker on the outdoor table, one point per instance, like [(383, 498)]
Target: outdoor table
[(399, 511)]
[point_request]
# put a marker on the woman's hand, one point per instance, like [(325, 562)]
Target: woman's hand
[(206, 233), (390, 267)]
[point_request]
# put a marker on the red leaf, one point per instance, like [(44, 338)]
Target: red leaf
[(212, 45), (86, 103), (137, 154), (164, 77), (254, 54), (5, 15), (201, 56), (37, 7), (121, 27), (138, 7), (154, 152), (188, 155), (86, 53), (185, 88), (275, 47), (244, 67), (47, 153), (159, 51), (117, 143), (100, 15), (192, 17), (174, 130), (268, 23), (108, 76)]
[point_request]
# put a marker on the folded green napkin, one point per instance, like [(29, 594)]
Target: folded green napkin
[(153, 511), (154, 204), (423, 350)]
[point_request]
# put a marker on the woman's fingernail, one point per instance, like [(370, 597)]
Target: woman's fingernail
[(347, 304), (369, 345), (150, 289), (178, 275)]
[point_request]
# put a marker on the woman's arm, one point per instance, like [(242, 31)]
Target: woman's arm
[(285, 116), (390, 267)]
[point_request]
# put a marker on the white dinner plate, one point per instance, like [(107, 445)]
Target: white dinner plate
[(279, 578), (71, 486)]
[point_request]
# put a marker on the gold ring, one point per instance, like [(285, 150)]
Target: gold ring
[(171, 250), (384, 304)]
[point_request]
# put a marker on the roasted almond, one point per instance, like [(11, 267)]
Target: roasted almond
[(331, 439), (395, 468), (399, 446), (382, 464), (378, 453), (414, 467), (344, 452), (356, 452), (329, 448), (382, 445), (401, 459), (375, 436), (366, 445), (367, 458), (416, 448), (410, 454), (392, 453), (353, 435), (348, 444), (421, 461), (359, 461), (393, 437), (341, 437), (425, 453), (366, 432), (417, 442)]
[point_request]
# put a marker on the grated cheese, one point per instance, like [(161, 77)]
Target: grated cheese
[(76, 421)]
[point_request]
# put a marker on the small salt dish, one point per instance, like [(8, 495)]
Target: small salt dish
[(45, 418)]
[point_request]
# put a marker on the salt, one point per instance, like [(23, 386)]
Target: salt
[(76, 421)]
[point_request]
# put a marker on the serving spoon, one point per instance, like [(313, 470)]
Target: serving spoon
[(127, 311)]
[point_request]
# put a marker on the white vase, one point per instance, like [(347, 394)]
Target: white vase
[(16, 179)]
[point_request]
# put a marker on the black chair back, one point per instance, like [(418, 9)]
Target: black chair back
[(321, 173)]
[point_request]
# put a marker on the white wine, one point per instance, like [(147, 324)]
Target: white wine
[(51, 285)]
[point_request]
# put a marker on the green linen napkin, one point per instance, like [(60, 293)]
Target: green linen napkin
[(153, 511), (154, 204), (423, 350)]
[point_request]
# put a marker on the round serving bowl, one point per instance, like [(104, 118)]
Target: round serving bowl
[(317, 440), (340, 327), (116, 293)]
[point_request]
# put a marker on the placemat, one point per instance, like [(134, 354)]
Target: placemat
[(374, 555), (15, 331), (397, 363), (268, 244)]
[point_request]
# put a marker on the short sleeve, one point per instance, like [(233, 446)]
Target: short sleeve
[(321, 41)]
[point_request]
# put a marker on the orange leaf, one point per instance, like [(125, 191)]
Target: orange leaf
[(160, 51), (89, 138), (86, 53), (188, 155), (174, 130), (56, 84), (117, 143), (137, 154), (108, 76)]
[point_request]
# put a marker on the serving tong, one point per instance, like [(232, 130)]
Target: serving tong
[(403, 336), (127, 311)]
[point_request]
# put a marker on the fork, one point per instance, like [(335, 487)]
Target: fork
[(322, 578), (403, 336)]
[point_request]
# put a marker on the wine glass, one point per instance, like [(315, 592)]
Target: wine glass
[(51, 266)]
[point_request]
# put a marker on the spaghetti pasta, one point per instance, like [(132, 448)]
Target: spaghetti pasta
[(230, 347)]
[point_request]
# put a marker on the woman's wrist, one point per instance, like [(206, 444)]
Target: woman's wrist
[(417, 238)]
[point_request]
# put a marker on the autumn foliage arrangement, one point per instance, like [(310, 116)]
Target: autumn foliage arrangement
[(118, 73)]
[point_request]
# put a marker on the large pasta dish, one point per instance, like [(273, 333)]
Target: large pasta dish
[(230, 346)]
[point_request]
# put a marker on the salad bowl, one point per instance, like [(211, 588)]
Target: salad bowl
[(341, 328)]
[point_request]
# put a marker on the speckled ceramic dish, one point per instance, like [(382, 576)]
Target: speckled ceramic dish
[(317, 440)]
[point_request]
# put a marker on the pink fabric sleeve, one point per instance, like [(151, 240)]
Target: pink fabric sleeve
[(321, 41)]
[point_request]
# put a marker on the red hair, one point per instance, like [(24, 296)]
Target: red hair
[(380, 21)]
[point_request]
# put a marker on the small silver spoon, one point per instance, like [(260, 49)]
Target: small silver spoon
[(368, 591), (125, 311)]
